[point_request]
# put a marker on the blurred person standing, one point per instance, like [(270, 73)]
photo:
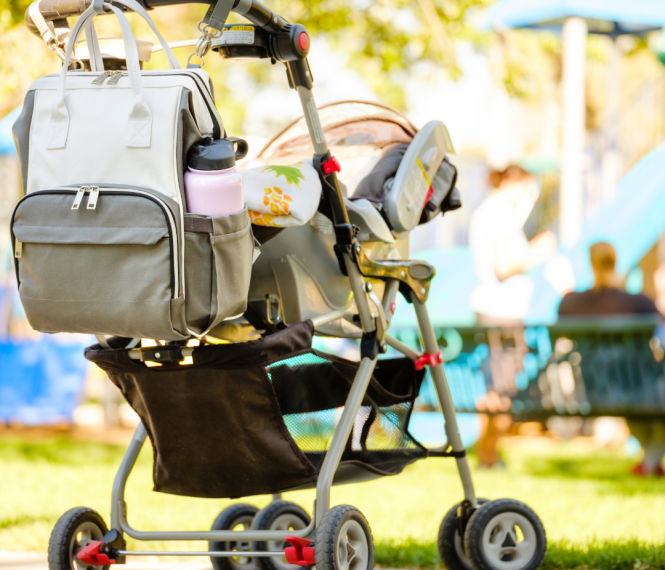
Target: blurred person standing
[(606, 297), (501, 250), (501, 253)]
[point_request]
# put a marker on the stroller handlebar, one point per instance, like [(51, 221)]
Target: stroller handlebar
[(57, 11)]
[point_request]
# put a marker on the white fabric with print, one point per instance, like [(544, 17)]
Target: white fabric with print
[(281, 196)]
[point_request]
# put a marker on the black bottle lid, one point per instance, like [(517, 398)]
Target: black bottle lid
[(218, 154)]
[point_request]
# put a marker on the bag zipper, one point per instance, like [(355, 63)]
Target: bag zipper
[(81, 191), (203, 89), (207, 97), (92, 201), (114, 75)]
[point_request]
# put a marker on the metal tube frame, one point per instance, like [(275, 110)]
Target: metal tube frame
[(445, 399), (345, 426)]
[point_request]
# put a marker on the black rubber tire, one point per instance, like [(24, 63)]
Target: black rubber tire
[(228, 519), (327, 535), (60, 554), (448, 534), (264, 521), (475, 529)]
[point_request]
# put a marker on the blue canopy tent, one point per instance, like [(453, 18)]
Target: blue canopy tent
[(609, 17)]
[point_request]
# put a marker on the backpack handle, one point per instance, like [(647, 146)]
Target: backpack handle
[(140, 10), (139, 125)]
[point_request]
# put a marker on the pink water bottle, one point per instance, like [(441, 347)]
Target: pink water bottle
[(213, 186)]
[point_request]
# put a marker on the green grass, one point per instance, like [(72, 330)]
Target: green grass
[(595, 514)]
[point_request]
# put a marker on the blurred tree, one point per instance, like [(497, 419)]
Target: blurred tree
[(385, 38)]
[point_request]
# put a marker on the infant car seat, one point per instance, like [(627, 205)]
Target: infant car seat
[(388, 165)]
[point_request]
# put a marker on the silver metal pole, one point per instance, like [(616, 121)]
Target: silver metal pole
[(312, 119), (359, 295), (330, 317), (216, 535), (389, 296), (342, 433), (118, 505), (574, 127), (211, 553), (445, 399), (403, 348)]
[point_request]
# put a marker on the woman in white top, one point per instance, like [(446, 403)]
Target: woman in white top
[(501, 250)]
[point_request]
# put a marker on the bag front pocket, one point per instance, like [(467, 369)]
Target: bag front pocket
[(218, 263), (108, 265)]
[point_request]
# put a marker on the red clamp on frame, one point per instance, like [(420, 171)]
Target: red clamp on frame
[(91, 555), (331, 165), (429, 360), (301, 553)]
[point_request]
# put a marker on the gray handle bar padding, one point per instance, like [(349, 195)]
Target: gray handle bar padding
[(53, 10)]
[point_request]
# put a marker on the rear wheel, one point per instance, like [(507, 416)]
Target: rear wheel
[(280, 515), (235, 517)]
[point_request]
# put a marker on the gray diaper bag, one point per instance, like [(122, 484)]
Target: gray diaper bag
[(102, 240)]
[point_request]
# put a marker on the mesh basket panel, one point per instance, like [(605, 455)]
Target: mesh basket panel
[(312, 390)]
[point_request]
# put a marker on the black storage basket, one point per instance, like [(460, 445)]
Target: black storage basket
[(258, 417)]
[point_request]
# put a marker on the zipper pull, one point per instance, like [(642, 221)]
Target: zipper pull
[(102, 77), (94, 196), (79, 197), (18, 248), (115, 77)]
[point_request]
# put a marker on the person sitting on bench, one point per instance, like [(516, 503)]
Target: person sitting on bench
[(607, 298)]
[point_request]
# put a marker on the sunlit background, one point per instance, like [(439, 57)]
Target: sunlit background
[(557, 114)]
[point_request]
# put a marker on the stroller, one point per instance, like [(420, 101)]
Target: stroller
[(252, 408)]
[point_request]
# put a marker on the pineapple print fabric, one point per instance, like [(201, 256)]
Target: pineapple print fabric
[(281, 196)]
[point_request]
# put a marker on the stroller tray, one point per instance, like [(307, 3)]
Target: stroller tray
[(258, 417)]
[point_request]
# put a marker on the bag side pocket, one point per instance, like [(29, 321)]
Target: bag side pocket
[(218, 265)]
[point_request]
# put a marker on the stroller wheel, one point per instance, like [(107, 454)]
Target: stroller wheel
[(505, 535), (280, 515), (344, 541), (71, 534), (451, 548), (233, 517)]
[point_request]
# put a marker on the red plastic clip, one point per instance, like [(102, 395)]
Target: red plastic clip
[(331, 165), (429, 360), (392, 307), (301, 553), (91, 555), (430, 192)]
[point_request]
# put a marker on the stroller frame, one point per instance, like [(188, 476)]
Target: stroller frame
[(453, 448), (463, 534)]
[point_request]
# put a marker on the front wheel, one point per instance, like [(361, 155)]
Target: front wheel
[(505, 535), (280, 515), (451, 548), (344, 541), (74, 530)]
